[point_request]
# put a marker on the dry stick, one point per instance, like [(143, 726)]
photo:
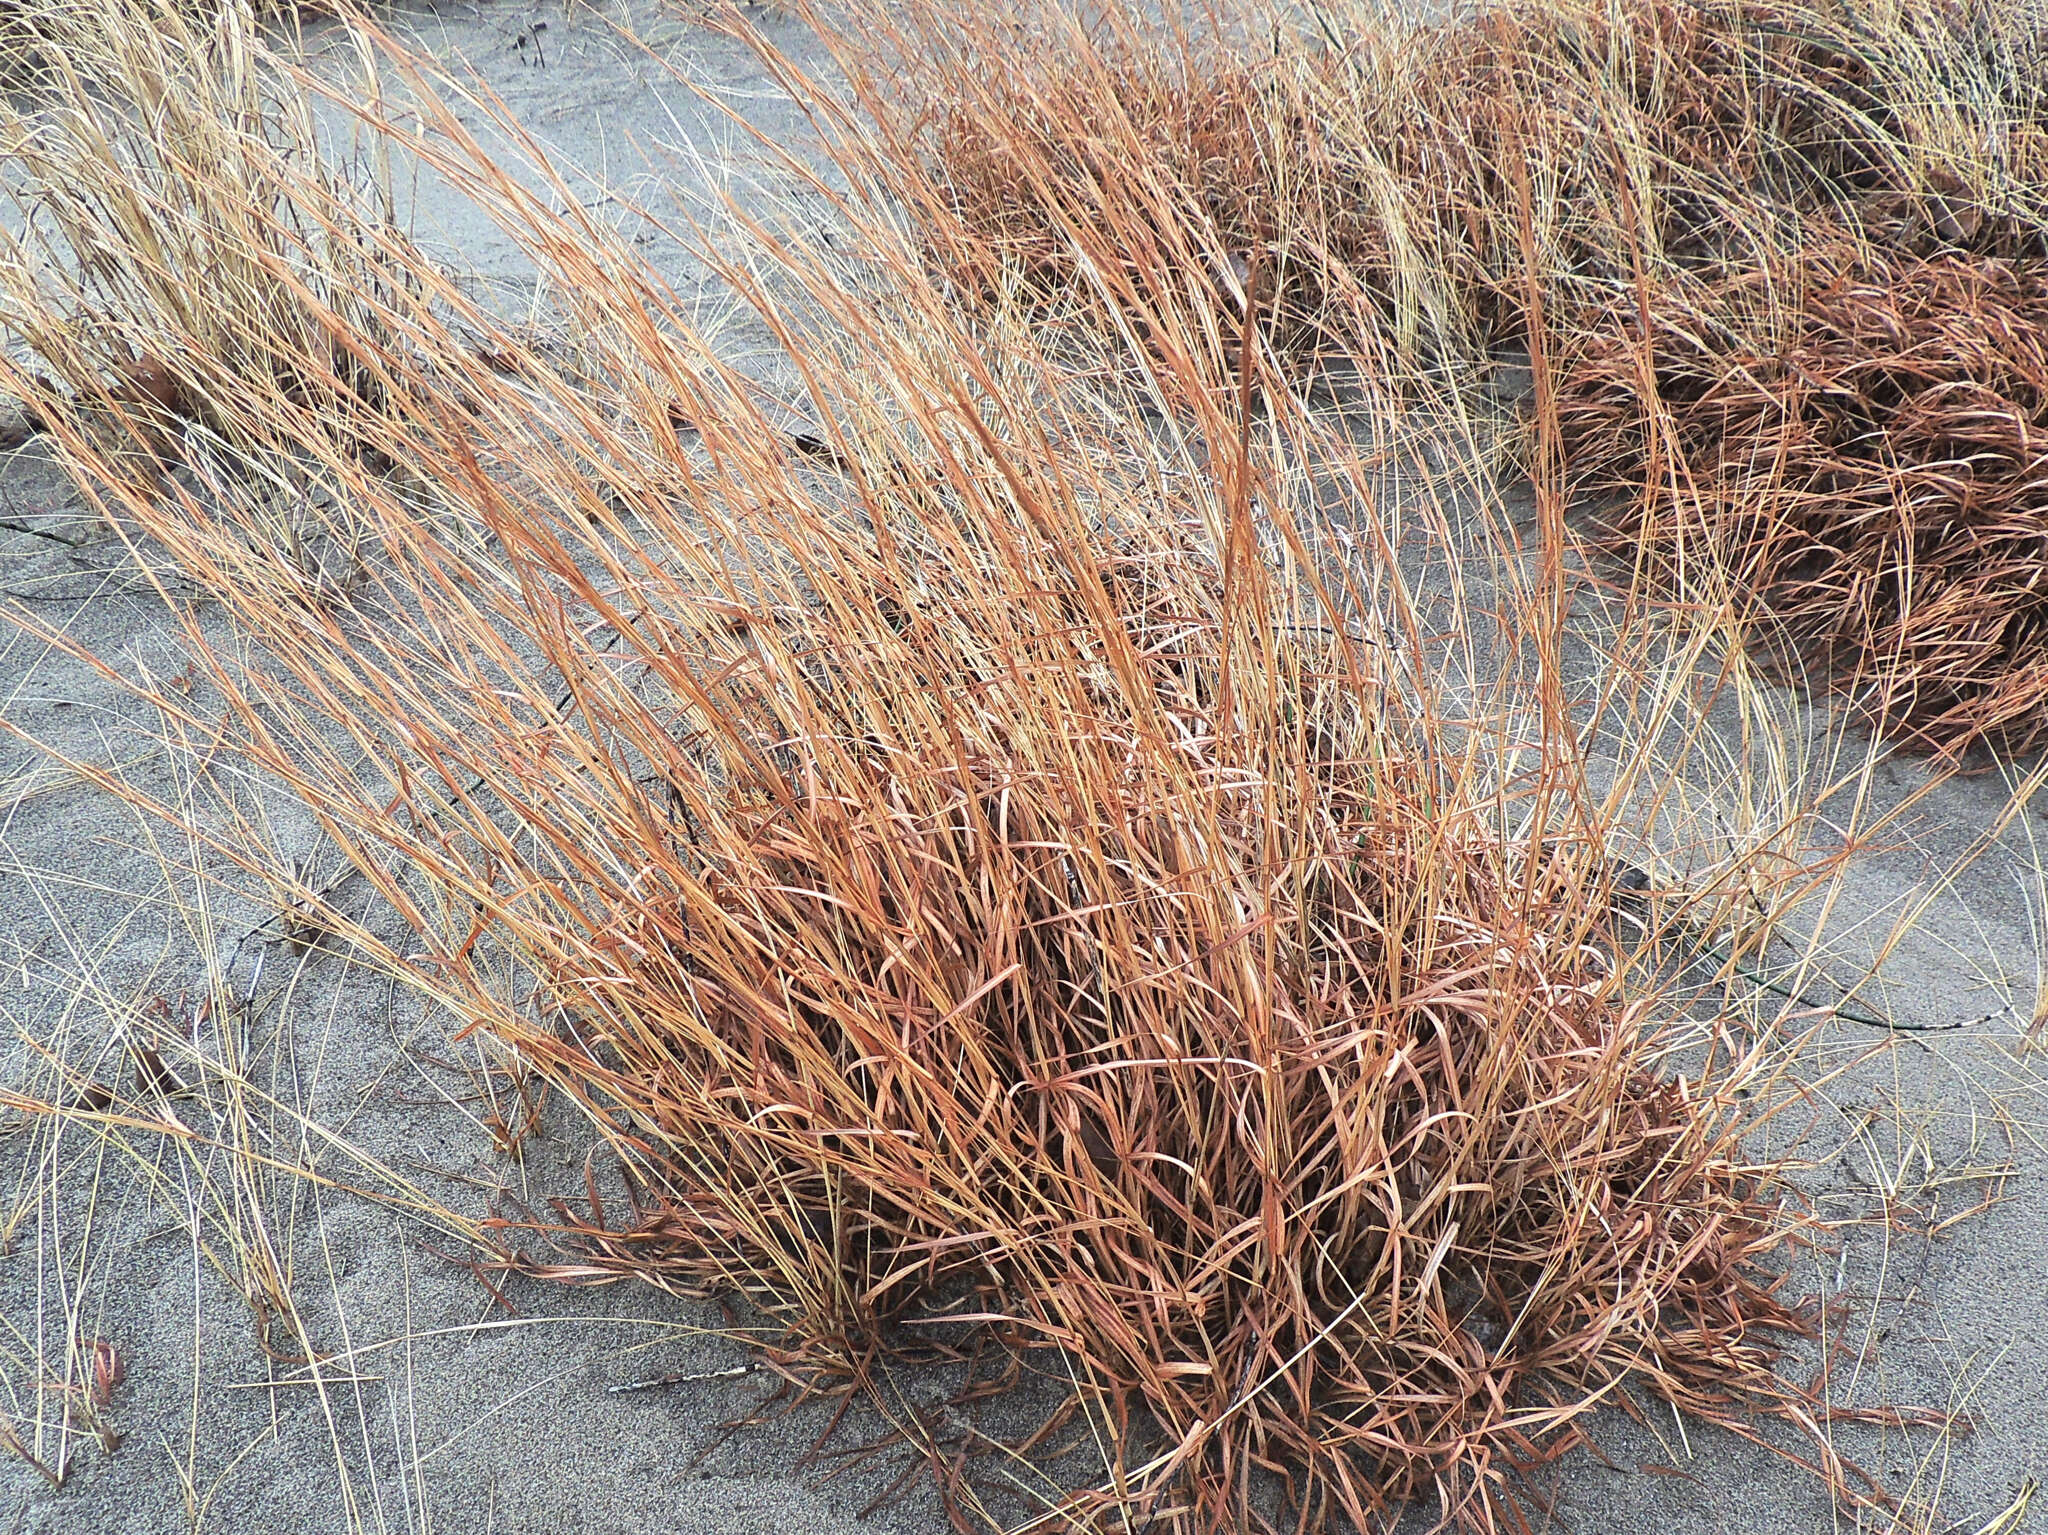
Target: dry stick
[(15, 525), (683, 1378)]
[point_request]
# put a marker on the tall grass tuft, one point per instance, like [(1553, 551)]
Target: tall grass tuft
[(193, 267), (1003, 879), (1869, 468), (1687, 186), (1404, 170)]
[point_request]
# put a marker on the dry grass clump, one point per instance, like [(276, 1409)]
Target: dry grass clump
[(1179, 161), (998, 886), (1869, 465), (1736, 176), (39, 38), (1676, 133), (188, 268), (1379, 170), (1002, 932)]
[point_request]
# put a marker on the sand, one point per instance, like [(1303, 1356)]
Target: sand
[(443, 1406)]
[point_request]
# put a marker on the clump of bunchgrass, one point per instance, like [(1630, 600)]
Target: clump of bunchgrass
[(1387, 170), (1863, 455), (998, 881), (185, 265), (39, 38), (1414, 198)]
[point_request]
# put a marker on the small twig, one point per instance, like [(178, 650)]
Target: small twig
[(682, 1378), (16, 525), (109, 591)]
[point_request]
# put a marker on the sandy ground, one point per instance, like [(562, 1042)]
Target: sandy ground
[(441, 1406)]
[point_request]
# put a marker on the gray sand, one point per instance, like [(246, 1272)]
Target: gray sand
[(440, 1409)]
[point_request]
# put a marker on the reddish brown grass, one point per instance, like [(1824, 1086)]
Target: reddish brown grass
[(1864, 464), (1376, 179), (1872, 469), (993, 883)]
